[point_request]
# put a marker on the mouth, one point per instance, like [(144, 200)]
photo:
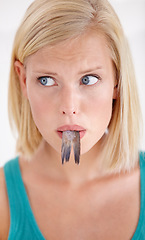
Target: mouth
[(77, 128)]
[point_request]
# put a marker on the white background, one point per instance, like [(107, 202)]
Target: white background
[(132, 16)]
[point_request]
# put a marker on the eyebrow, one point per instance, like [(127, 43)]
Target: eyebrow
[(45, 73), (91, 69), (81, 72)]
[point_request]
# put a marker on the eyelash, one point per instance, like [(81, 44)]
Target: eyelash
[(45, 77), (87, 76), (91, 75)]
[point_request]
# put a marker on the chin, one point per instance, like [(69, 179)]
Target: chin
[(91, 147)]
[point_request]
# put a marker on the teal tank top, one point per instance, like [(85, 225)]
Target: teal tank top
[(23, 225)]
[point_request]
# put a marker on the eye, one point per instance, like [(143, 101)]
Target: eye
[(90, 79), (46, 81)]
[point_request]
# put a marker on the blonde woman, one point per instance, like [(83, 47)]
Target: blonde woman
[(72, 85)]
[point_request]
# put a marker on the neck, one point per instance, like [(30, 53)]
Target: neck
[(47, 162)]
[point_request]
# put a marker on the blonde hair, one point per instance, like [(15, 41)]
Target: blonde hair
[(48, 22)]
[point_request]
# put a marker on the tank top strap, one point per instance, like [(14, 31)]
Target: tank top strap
[(22, 222), (140, 230)]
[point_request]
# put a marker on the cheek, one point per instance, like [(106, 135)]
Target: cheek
[(105, 103), (101, 116), (100, 104), (40, 107), (100, 112)]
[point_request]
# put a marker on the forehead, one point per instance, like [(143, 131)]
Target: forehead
[(90, 46)]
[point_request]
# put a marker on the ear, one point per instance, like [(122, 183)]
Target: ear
[(21, 72)]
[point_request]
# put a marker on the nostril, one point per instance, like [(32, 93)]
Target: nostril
[(68, 112)]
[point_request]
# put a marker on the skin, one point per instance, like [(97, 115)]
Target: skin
[(67, 64), (90, 205)]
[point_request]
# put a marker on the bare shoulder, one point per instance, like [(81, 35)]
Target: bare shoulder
[(4, 208)]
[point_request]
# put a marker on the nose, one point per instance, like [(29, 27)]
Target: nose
[(69, 102)]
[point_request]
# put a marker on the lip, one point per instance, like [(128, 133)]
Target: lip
[(78, 128)]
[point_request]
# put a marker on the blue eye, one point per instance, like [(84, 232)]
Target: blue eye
[(46, 81), (89, 80)]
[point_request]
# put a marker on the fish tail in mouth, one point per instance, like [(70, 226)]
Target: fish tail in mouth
[(70, 138)]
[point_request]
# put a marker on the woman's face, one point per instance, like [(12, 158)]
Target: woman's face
[(71, 87)]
